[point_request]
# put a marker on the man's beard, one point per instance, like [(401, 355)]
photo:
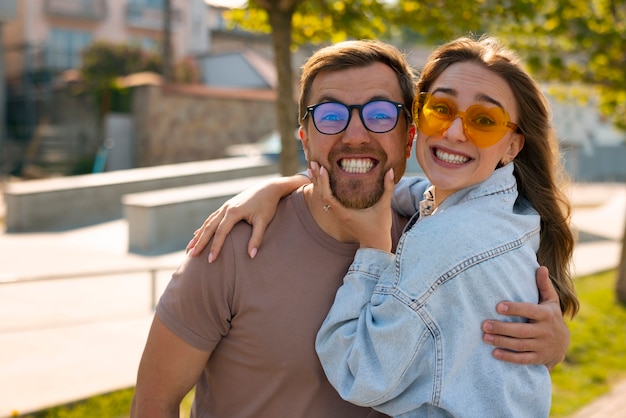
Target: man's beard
[(357, 194)]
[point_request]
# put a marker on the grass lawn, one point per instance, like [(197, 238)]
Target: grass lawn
[(597, 353), (110, 405), (596, 359)]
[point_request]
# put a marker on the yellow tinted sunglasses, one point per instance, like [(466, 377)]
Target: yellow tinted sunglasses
[(484, 126)]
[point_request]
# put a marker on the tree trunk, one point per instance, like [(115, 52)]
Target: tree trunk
[(167, 42), (280, 16), (621, 272)]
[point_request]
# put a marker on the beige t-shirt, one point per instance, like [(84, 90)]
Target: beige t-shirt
[(260, 318)]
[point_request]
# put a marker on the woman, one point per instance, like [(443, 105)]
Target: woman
[(486, 145)]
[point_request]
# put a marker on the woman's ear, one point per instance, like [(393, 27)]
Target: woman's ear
[(515, 146)]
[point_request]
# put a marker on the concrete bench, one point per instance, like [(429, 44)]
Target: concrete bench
[(73, 201), (163, 221)]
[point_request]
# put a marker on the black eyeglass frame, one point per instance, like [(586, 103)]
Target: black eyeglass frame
[(398, 106)]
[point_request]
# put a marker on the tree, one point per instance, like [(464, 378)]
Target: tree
[(102, 63), (166, 44), (621, 273), (578, 42), (280, 14)]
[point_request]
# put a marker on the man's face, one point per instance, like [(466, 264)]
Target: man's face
[(357, 159)]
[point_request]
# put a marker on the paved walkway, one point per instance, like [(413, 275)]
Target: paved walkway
[(65, 340)]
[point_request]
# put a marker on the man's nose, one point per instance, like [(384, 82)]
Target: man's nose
[(356, 132)]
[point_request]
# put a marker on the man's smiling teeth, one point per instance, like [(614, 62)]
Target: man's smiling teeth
[(354, 165), (451, 158)]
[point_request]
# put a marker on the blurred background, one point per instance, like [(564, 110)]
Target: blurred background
[(109, 106)]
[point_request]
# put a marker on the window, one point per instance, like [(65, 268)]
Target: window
[(151, 4), (64, 47)]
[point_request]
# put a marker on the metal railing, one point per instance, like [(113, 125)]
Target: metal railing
[(14, 279)]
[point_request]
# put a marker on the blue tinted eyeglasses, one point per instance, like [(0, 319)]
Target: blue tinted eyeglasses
[(378, 116)]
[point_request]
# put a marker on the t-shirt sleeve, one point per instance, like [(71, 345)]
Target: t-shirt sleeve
[(196, 303)]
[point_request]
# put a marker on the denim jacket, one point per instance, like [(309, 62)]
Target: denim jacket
[(404, 333)]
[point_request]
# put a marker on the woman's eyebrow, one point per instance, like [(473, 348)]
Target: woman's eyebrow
[(451, 92), (480, 97), (489, 99)]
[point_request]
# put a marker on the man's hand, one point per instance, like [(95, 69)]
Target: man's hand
[(543, 340)]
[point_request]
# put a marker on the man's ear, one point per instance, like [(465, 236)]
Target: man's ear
[(305, 141), (410, 138)]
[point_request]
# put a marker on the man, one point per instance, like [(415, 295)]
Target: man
[(243, 330)]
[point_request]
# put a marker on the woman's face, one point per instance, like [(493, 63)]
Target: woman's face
[(449, 158)]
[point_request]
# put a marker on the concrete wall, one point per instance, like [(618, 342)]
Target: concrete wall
[(175, 124), (68, 202), (163, 220), (599, 164)]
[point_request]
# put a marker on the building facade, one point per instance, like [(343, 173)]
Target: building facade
[(50, 34), (45, 38)]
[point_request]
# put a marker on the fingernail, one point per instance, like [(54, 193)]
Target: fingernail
[(253, 253), (487, 326), (489, 337), (503, 307), (210, 258), (190, 243), (192, 252)]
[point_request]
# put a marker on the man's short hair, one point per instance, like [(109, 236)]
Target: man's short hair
[(350, 54)]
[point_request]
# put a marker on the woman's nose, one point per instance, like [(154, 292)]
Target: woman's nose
[(456, 130)]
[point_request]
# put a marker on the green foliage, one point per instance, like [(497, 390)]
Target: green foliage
[(570, 40), (104, 62), (186, 71), (597, 352), (317, 22), (111, 405)]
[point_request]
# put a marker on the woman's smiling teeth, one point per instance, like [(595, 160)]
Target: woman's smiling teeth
[(356, 165), (451, 158)]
